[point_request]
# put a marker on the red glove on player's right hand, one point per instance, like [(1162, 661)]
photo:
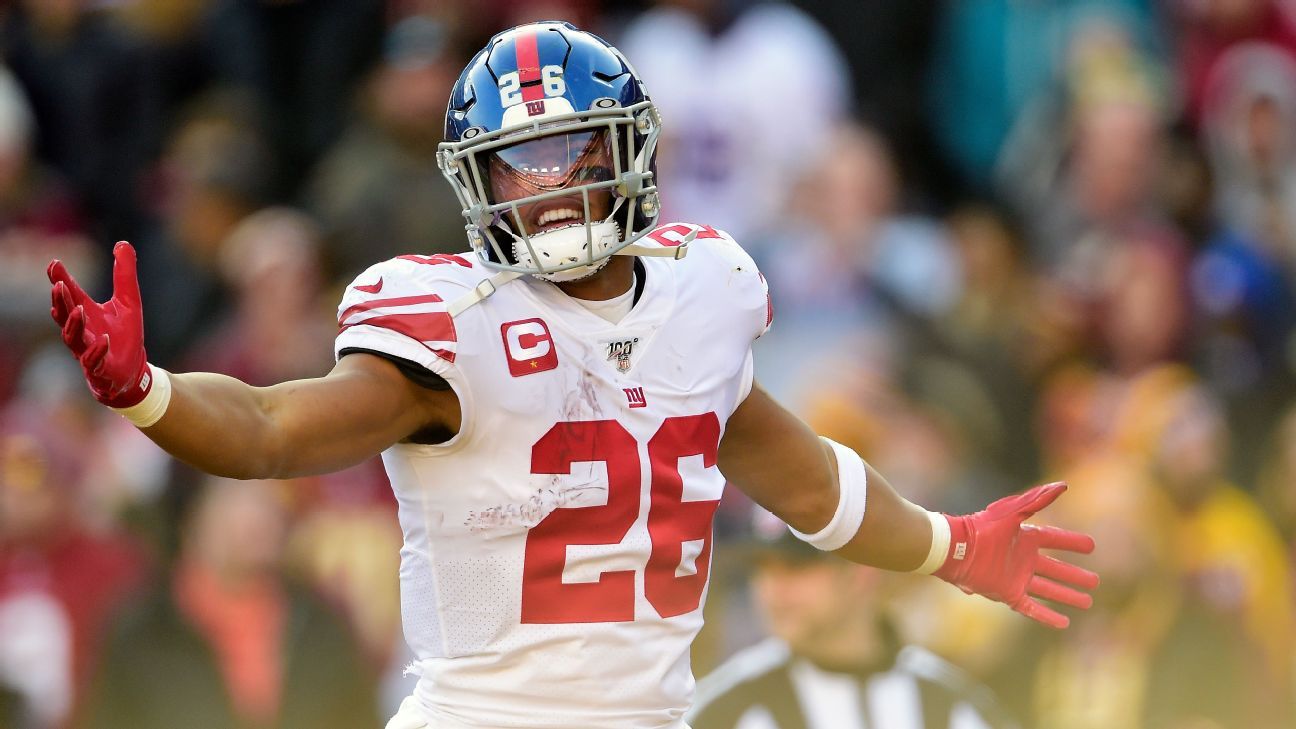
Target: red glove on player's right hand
[(992, 553), (107, 339)]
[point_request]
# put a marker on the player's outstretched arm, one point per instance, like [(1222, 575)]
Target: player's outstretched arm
[(225, 426), (836, 501)]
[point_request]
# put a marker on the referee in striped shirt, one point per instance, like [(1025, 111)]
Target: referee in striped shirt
[(833, 662)]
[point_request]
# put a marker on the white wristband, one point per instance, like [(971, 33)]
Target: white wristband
[(939, 546), (150, 410), (852, 483)]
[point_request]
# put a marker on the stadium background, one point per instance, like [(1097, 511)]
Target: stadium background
[(1008, 240)]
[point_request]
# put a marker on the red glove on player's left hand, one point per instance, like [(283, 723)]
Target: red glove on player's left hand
[(108, 338), (992, 553)]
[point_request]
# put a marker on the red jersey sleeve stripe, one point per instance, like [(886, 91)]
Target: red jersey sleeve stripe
[(439, 259), (379, 303), (422, 327)]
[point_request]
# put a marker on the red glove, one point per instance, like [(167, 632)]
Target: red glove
[(992, 553), (107, 339)]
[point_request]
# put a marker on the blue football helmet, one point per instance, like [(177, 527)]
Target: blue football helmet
[(550, 146)]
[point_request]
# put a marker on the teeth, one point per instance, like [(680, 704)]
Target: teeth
[(552, 216)]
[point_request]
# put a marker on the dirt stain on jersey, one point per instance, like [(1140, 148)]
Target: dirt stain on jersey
[(582, 401), (532, 511)]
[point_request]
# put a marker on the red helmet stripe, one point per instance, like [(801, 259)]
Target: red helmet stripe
[(527, 48)]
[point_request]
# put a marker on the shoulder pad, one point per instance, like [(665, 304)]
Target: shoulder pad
[(727, 261), (404, 301)]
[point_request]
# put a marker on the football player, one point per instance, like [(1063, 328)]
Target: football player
[(555, 410)]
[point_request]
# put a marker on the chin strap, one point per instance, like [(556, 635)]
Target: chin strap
[(483, 290)]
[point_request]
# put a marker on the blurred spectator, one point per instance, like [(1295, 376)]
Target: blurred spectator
[(748, 93), (228, 642), (1227, 549), (844, 257), (1159, 648), (1229, 613), (39, 220), (1208, 30), (1250, 128), (301, 61), (1082, 167), (216, 172), (990, 312), (846, 235), (1242, 277), (89, 90), (1095, 674), (995, 57), (1246, 311), (1072, 421), (275, 331), (1246, 314), (992, 329), (379, 190), (835, 660), (1116, 267), (59, 580), (1144, 308), (129, 471)]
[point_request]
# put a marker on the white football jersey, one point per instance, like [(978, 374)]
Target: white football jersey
[(557, 548)]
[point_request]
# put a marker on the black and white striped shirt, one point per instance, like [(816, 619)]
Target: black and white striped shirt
[(766, 687)]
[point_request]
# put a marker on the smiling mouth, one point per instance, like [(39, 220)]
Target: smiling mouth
[(555, 218)]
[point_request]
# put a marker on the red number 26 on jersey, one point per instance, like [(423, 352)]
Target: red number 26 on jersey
[(671, 522)]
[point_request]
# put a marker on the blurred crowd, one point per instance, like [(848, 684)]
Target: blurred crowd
[(1008, 241)]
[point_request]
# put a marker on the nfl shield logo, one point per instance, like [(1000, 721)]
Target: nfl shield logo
[(619, 353)]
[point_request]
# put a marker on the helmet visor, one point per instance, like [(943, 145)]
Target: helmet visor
[(549, 163)]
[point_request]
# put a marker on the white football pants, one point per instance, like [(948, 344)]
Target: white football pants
[(409, 716)]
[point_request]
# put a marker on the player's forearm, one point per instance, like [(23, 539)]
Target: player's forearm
[(777, 460), (296, 428), (799, 483), (220, 425), (896, 534)]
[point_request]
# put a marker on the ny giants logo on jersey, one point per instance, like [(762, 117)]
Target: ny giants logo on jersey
[(635, 397), (529, 347), (619, 352)]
